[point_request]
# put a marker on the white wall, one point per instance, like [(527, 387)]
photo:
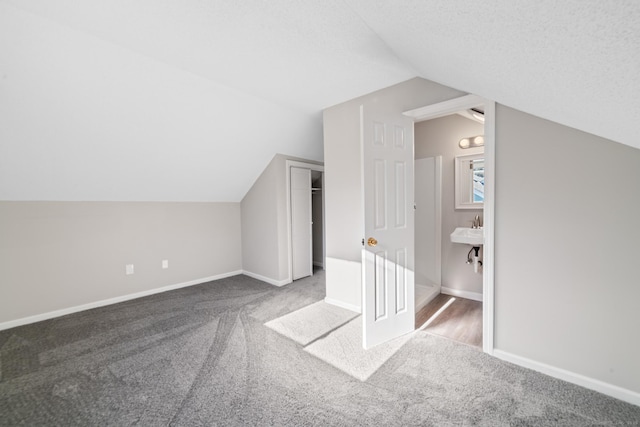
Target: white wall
[(439, 137), (58, 255), (260, 242), (344, 214), (566, 242)]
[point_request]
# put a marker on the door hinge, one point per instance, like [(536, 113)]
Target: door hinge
[(363, 241)]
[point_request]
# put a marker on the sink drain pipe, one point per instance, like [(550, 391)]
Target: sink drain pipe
[(475, 259)]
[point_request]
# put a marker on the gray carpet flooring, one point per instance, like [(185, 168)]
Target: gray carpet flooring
[(202, 356)]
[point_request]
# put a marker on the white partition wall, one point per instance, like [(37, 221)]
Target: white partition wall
[(428, 233)]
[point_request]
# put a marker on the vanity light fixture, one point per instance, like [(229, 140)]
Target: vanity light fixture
[(472, 142)]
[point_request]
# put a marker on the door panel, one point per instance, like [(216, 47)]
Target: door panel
[(401, 195), (388, 264)]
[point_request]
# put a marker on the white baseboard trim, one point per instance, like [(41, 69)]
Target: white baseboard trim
[(462, 294), (63, 312), (341, 304), (319, 264), (624, 394), (269, 280), (424, 294)]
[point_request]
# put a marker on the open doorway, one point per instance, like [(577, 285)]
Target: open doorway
[(448, 284), (463, 309), (305, 214), (387, 144)]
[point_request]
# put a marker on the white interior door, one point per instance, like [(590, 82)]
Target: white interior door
[(301, 225), (388, 308)]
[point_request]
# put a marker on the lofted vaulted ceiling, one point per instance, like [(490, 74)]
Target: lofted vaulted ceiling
[(188, 100)]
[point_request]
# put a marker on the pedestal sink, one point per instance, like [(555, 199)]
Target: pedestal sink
[(470, 236)]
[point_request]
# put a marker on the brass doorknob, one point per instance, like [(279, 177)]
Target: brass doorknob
[(372, 242)]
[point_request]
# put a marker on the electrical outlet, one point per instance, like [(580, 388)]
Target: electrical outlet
[(129, 269), (165, 263)]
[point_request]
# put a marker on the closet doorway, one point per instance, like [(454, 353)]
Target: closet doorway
[(306, 218)]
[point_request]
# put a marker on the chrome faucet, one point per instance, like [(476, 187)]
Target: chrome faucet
[(476, 222)]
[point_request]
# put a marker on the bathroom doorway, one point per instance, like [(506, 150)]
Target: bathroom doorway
[(449, 290)]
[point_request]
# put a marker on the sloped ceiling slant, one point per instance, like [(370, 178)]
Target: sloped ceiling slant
[(575, 62), (188, 100)]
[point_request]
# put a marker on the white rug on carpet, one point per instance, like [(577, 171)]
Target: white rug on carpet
[(311, 322), (342, 348)]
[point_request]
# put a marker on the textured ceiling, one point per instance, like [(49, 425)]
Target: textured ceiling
[(576, 62), (190, 99)]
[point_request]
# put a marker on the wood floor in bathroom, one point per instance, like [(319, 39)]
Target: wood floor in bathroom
[(460, 321)]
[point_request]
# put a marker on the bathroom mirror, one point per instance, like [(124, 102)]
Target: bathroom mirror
[(469, 181)]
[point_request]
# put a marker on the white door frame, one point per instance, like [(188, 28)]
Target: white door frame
[(289, 164), (444, 109)]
